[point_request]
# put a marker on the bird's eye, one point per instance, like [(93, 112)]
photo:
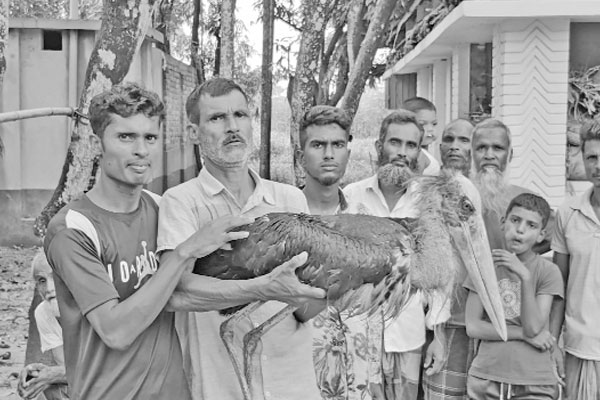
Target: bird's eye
[(467, 207)]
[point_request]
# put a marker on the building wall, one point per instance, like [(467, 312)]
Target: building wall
[(35, 149), (530, 78)]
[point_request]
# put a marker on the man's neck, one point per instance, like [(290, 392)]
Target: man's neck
[(391, 194), (321, 199), (114, 196), (237, 180)]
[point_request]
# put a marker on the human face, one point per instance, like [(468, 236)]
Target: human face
[(325, 153), (522, 230), (400, 146), (44, 284), (130, 147), (591, 161), (491, 149), (428, 120), (225, 129), (455, 148)]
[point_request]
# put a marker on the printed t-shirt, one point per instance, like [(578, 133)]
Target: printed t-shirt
[(515, 361), (97, 256), (286, 356), (577, 233)]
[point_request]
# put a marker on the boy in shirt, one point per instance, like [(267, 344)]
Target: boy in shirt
[(520, 368), (427, 117)]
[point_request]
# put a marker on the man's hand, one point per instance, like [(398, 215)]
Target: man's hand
[(508, 260), (544, 341), (559, 365), (36, 377), (213, 236), (282, 284), (435, 357)]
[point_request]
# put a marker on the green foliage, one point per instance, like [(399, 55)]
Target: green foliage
[(584, 93), (59, 9)]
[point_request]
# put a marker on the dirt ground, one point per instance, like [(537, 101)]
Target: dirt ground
[(16, 290)]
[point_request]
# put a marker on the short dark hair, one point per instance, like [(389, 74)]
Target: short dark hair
[(125, 100), (590, 130), (400, 117), (324, 115), (214, 87), (416, 104), (491, 123), (531, 202)]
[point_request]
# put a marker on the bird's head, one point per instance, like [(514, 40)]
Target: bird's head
[(451, 241)]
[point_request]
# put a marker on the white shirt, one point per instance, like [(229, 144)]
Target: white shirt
[(407, 331), (286, 350)]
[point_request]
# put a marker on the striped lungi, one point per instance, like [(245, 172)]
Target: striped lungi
[(451, 381), (583, 378)]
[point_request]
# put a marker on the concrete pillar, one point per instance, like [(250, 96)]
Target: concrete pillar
[(530, 72), (460, 81)]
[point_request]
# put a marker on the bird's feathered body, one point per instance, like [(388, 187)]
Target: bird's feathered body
[(345, 252)]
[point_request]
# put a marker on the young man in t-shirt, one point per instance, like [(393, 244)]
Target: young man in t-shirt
[(520, 368), (119, 341)]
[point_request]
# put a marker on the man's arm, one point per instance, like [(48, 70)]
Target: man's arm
[(557, 314), (120, 323), (204, 293)]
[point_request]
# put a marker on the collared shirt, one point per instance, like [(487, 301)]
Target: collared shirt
[(286, 356), (577, 233), (407, 331)]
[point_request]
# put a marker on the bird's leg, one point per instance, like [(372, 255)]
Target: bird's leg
[(251, 359), (227, 336)]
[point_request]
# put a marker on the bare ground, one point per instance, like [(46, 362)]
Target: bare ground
[(16, 290)]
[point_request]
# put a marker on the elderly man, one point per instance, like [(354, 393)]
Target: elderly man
[(455, 147), (221, 124), (386, 195), (492, 152), (450, 383)]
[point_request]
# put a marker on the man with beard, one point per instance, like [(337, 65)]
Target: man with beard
[(455, 148), (221, 124), (492, 152), (388, 194)]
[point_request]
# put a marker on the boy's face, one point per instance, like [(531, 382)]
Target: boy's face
[(522, 229), (130, 147), (428, 120), (325, 154)]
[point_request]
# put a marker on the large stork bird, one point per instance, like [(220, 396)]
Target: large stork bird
[(366, 263)]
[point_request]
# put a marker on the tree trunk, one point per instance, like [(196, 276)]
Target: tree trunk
[(359, 70), (266, 89), (3, 44), (124, 26), (305, 88), (196, 60), (227, 38)]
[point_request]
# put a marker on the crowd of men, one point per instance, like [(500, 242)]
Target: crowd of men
[(132, 330)]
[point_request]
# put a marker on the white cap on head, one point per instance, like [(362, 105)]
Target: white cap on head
[(40, 265)]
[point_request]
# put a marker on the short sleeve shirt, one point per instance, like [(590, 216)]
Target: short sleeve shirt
[(48, 326), (577, 233), (286, 350), (515, 361), (407, 331), (97, 256)]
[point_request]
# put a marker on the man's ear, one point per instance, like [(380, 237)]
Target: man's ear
[(95, 141), (300, 156), (510, 155), (541, 236), (378, 146), (193, 133)]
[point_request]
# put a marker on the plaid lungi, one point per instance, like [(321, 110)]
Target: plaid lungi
[(451, 381), (583, 378)]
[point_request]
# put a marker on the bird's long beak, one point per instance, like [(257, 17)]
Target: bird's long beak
[(474, 249)]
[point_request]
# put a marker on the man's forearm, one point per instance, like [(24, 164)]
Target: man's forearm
[(204, 293)]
